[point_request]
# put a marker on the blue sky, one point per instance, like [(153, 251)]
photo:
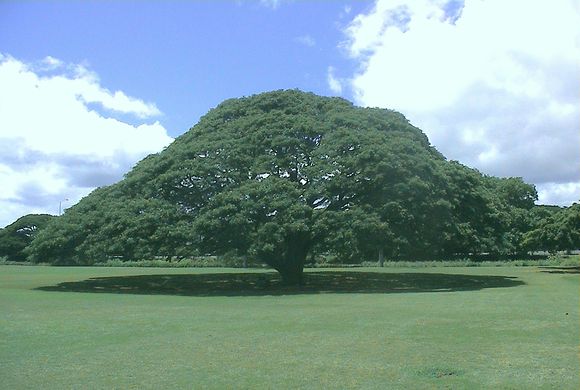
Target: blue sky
[(186, 56), (88, 88)]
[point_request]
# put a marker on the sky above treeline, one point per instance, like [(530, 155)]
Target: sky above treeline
[(87, 89)]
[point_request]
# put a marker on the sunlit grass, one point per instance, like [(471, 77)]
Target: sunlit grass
[(469, 335)]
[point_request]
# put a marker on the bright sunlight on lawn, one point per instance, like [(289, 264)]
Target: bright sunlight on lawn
[(504, 327)]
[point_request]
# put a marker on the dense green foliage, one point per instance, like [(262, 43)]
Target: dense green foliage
[(555, 230), (15, 237), (284, 175)]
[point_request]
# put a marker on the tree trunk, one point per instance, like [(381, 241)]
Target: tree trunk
[(292, 274), (290, 264), (291, 268), (381, 258)]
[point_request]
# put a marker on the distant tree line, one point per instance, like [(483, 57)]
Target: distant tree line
[(15, 237), (286, 176)]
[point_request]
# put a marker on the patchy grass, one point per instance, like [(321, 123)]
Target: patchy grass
[(469, 327)]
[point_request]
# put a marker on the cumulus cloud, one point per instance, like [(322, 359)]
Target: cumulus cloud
[(494, 84), (54, 145)]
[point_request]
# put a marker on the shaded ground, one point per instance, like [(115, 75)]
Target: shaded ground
[(254, 284), (561, 270)]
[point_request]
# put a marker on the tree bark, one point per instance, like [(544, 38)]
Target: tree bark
[(291, 268), (292, 274), (381, 257)]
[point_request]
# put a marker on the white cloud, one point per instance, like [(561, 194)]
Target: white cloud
[(494, 84), (85, 84), (558, 193), (54, 146), (334, 84), (50, 63), (306, 40)]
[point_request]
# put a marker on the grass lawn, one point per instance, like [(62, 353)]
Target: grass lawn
[(137, 328)]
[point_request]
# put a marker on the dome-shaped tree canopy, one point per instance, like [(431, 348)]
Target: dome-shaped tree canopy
[(279, 175)]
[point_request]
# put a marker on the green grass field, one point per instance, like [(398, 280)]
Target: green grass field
[(503, 327)]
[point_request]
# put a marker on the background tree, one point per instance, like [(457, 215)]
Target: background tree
[(513, 200), (15, 237), (559, 230)]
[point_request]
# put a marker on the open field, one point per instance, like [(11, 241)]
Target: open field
[(501, 327)]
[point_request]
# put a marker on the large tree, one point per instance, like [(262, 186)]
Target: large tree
[(280, 175)]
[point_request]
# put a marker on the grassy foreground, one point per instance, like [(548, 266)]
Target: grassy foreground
[(505, 327)]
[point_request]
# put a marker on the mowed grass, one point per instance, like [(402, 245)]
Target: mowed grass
[(506, 327)]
